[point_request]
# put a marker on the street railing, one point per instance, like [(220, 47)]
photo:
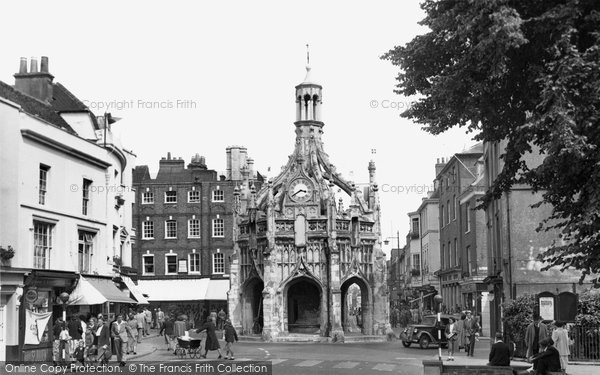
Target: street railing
[(585, 343)]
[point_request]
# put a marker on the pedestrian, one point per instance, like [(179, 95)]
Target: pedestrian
[(141, 320), (169, 331), (212, 342), (120, 337), (451, 334), (221, 316), (88, 342), (56, 330), (160, 317), (471, 331), (547, 360), (535, 333), (500, 352), (230, 337), (460, 330), (560, 337), (79, 353), (75, 332), (103, 334), (147, 321), (65, 343), (132, 334)]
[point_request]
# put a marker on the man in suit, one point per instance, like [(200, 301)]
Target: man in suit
[(500, 353), (535, 333), (103, 334), (548, 359), (471, 330), (118, 332)]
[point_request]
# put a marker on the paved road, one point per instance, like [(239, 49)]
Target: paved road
[(291, 359)]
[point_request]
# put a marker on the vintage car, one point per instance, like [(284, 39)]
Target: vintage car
[(426, 333)]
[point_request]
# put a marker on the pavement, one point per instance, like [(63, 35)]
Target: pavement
[(325, 358)]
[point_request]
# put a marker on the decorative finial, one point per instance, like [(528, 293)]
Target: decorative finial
[(307, 55)]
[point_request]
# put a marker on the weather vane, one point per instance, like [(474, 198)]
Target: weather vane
[(307, 55)]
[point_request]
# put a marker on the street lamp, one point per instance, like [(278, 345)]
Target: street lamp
[(64, 298), (437, 299), (387, 240)]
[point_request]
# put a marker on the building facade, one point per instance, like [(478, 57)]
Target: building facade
[(184, 217), (461, 283), (298, 250), (513, 243), (65, 210), (429, 237)]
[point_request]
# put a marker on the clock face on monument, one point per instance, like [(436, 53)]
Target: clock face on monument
[(300, 190)]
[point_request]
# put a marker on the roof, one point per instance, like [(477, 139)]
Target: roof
[(65, 101), (34, 107), (475, 149)]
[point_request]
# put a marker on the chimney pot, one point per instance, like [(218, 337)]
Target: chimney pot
[(23, 65), (44, 64), (34, 65), (168, 156), (438, 161)]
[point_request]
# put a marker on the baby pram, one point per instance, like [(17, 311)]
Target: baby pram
[(188, 346)]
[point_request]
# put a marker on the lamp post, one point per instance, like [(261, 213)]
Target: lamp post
[(397, 237), (64, 298), (438, 304)]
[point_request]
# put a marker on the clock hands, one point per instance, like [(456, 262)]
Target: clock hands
[(301, 190)]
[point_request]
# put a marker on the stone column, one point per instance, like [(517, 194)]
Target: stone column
[(337, 332)]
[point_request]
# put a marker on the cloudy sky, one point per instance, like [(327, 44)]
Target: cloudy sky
[(194, 77)]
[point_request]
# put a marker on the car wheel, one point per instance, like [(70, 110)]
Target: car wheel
[(424, 342), (406, 343)]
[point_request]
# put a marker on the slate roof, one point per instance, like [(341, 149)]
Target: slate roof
[(34, 107), (65, 101)]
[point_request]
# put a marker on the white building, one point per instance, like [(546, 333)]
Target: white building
[(65, 209)]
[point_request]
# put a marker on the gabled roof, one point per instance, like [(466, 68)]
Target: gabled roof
[(65, 101), (34, 107)]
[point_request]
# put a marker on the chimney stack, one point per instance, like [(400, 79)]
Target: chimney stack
[(33, 67), (44, 64), (37, 84), (23, 65)]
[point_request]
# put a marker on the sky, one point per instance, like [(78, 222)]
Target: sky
[(191, 77)]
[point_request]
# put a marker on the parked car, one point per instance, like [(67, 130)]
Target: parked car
[(426, 333)]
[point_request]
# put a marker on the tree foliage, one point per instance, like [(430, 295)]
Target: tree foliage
[(518, 314), (526, 72), (588, 310)]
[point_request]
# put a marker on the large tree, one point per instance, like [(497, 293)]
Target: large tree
[(526, 72)]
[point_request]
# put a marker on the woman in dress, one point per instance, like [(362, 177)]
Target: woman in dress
[(212, 342), (451, 335), (561, 343), (132, 332)]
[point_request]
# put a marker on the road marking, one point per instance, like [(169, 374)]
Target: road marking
[(346, 365), (384, 367), (277, 361), (308, 363), (405, 359)]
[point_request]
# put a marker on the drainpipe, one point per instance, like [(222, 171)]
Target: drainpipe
[(508, 245)]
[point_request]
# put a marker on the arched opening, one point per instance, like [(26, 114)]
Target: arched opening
[(304, 306), (253, 306), (355, 307)]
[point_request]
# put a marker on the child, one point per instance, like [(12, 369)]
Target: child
[(78, 354), (64, 343), (230, 335)]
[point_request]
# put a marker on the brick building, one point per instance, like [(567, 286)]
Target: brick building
[(462, 243), (514, 243), (184, 221)]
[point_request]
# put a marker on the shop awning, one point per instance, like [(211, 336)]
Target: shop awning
[(217, 290), (185, 289), (94, 290), (135, 290)]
